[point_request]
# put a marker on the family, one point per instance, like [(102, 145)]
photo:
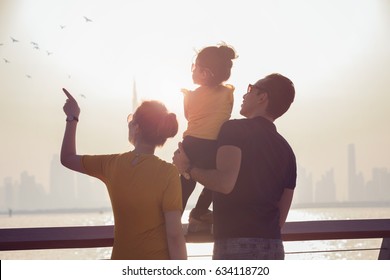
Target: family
[(247, 169)]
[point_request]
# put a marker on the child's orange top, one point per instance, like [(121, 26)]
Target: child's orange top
[(206, 109)]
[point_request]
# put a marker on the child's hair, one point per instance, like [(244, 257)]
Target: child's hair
[(218, 59), (156, 124)]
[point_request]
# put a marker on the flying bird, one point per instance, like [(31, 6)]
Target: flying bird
[(87, 19), (28, 76), (82, 95), (49, 53), (62, 26), (14, 40), (6, 60), (33, 43)]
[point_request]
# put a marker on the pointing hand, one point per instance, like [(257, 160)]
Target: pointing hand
[(71, 108)]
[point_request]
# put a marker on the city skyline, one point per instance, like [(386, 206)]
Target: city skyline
[(70, 190), (358, 189)]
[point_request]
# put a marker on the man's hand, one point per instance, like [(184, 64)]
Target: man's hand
[(181, 160)]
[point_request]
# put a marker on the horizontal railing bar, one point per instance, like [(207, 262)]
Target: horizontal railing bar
[(103, 236), (336, 229), (309, 252), (323, 230), (331, 251), (56, 237)]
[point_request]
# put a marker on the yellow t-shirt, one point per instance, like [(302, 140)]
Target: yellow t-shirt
[(141, 189), (206, 109)]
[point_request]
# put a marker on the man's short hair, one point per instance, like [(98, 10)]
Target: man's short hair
[(281, 93)]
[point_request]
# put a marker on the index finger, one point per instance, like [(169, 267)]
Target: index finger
[(67, 93)]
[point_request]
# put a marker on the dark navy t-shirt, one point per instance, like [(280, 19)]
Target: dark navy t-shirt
[(268, 166)]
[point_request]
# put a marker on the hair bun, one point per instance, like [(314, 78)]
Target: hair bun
[(218, 59), (168, 126), (227, 51), (155, 122)]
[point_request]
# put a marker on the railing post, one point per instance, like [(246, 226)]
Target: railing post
[(384, 253)]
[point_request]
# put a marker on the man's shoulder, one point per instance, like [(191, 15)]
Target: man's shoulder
[(233, 123), (235, 128)]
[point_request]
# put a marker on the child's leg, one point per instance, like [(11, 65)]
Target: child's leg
[(202, 154), (205, 199), (187, 187)]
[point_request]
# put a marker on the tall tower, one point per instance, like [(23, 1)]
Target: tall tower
[(135, 97), (356, 191), (351, 166), (351, 173)]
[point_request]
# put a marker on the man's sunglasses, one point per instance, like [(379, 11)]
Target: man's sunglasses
[(251, 87)]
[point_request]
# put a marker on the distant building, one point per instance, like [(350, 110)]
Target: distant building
[(304, 189), (135, 97), (31, 194), (62, 185), (91, 192), (378, 188), (356, 190), (326, 188), (9, 197)]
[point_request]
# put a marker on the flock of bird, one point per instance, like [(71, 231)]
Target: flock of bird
[(36, 45)]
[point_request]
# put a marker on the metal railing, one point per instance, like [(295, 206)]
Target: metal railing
[(103, 236)]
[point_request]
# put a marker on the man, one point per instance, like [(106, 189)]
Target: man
[(255, 175)]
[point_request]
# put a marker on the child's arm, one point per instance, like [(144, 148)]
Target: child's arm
[(186, 102)]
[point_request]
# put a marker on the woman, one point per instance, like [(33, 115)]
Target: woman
[(144, 190)]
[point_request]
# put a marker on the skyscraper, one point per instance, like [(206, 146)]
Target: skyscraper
[(355, 180), (135, 97)]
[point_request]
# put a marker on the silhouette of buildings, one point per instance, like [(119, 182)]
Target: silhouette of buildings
[(25, 194), (68, 189), (62, 185), (31, 194), (135, 97), (9, 200), (355, 180), (326, 188), (304, 192), (377, 189), (91, 193)]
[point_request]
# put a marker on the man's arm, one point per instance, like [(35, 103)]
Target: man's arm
[(223, 178), (284, 205)]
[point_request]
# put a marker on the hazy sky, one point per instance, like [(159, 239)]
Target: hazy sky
[(336, 53)]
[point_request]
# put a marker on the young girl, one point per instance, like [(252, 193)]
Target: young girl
[(144, 190), (206, 109)]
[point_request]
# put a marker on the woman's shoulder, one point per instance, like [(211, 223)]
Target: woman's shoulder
[(164, 165), (166, 170)]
